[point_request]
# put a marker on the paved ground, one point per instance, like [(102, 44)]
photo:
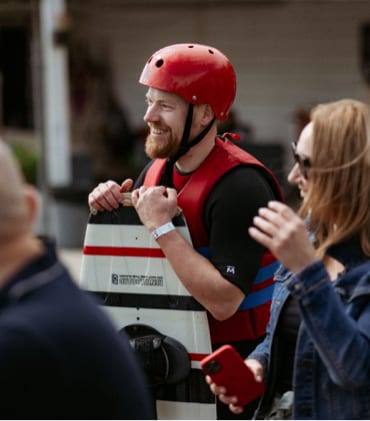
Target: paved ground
[(72, 259)]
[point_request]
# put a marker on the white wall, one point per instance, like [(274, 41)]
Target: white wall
[(285, 56)]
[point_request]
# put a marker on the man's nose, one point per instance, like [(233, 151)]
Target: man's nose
[(151, 114)]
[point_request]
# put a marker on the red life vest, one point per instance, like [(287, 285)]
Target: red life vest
[(250, 321)]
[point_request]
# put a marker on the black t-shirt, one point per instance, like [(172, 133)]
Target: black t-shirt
[(228, 213), (286, 332)]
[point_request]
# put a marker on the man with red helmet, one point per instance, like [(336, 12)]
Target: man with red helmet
[(218, 186)]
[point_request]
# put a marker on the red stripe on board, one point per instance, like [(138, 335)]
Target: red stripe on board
[(196, 357), (123, 251)]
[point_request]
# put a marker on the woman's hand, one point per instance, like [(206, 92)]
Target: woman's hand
[(257, 369), (281, 230), (221, 392)]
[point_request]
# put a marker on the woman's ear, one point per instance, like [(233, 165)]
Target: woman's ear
[(32, 203)]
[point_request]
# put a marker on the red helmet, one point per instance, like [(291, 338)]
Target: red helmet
[(199, 73)]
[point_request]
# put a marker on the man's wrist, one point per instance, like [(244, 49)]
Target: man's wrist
[(163, 229)]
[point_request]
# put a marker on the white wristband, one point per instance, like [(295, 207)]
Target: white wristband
[(163, 229)]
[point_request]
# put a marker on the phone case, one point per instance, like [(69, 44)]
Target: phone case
[(227, 368)]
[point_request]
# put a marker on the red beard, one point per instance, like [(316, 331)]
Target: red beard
[(164, 149)]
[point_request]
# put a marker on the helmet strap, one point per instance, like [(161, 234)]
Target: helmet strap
[(185, 145)]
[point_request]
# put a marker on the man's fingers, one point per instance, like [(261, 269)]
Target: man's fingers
[(106, 196)]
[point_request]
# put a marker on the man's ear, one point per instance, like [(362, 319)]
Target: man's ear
[(32, 202), (208, 114)]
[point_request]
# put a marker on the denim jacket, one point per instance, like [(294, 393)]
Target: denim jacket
[(331, 378)]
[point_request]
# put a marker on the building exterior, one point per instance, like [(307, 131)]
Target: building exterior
[(288, 56)]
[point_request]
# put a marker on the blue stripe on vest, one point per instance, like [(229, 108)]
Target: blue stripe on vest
[(266, 272), (255, 299), (204, 251)]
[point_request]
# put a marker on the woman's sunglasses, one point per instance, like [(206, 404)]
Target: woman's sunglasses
[(303, 162)]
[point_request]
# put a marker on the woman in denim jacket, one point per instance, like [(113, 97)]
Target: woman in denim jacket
[(316, 354)]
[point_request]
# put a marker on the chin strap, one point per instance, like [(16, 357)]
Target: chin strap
[(185, 145)]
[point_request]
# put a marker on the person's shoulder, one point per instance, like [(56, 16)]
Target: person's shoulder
[(249, 169), (18, 336), (362, 271), (248, 178)]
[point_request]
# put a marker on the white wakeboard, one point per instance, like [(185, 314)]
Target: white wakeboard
[(125, 267)]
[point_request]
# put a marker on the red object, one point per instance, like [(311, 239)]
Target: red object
[(199, 73), (247, 323), (228, 369)]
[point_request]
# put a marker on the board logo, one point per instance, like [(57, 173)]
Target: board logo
[(137, 280)]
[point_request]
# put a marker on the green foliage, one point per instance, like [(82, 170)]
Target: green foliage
[(28, 161)]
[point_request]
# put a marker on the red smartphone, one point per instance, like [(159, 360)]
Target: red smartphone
[(227, 368)]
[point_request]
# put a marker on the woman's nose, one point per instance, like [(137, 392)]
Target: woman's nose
[(294, 174)]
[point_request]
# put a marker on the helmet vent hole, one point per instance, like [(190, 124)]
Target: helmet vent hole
[(159, 63), (210, 52), (190, 46)]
